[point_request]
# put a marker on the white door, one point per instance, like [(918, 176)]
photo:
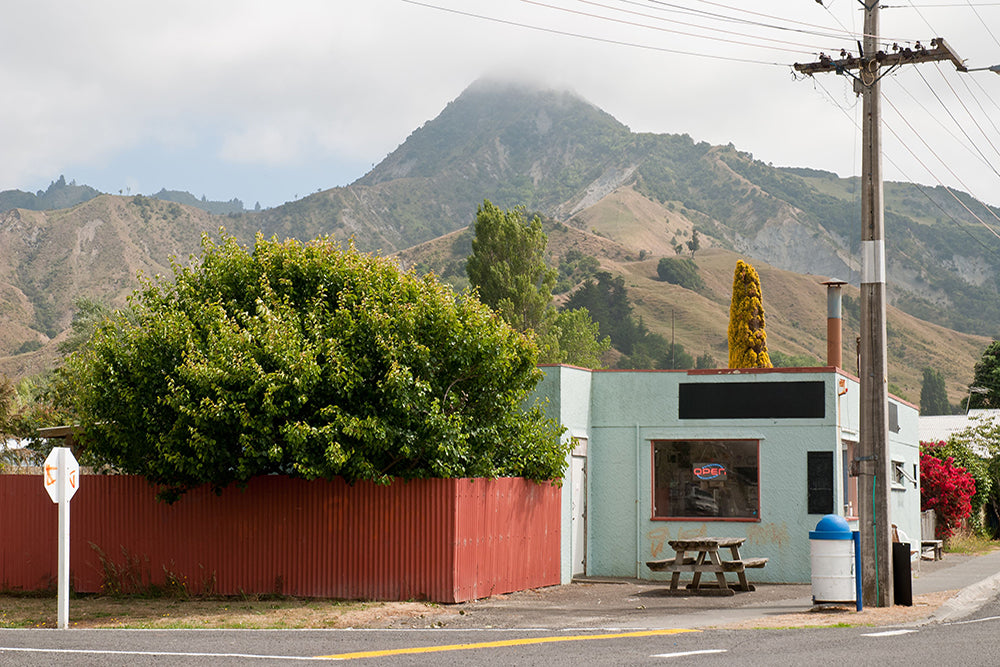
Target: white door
[(578, 472)]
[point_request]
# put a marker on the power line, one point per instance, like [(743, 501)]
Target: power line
[(941, 124), (961, 128), (816, 30), (922, 189), (670, 30), (986, 94), (945, 164), (883, 38), (985, 25), (603, 40), (938, 6), (972, 118)]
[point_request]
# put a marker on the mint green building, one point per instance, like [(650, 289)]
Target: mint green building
[(762, 454)]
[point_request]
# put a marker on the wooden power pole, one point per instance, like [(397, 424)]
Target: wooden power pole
[(872, 464)]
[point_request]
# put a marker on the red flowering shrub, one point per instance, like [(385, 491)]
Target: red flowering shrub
[(947, 489)]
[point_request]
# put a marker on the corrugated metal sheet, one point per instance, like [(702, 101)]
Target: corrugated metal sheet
[(440, 540)]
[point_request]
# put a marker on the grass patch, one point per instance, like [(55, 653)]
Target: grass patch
[(841, 624), (967, 542)]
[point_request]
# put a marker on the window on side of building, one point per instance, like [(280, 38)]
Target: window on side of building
[(699, 479)]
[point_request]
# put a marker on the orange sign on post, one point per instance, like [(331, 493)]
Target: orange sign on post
[(61, 483), (61, 479)]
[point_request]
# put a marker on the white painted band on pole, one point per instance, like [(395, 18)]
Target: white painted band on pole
[(873, 261)]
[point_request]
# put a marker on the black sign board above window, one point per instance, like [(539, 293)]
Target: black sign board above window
[(752, 400)]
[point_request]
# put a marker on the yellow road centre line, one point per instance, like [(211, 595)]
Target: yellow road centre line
[(499, 644)]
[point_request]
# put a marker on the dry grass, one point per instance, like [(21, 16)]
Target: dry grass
[(967, 542), (847, 616), (134, 612)]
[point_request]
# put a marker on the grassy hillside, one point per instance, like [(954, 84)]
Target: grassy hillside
[(95, 249), (628, 234)]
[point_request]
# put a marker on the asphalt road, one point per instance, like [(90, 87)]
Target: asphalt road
[(968, 641)]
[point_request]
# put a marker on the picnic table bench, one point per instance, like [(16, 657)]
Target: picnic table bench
[(707, 560)]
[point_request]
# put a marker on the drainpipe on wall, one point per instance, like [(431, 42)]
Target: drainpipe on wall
[(638, 505), (834, 322)]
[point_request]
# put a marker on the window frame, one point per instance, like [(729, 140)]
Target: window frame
[(700, 518)]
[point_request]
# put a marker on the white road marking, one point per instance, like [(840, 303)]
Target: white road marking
[(241, 656), (888, 633), (975, 620), (689, 653)]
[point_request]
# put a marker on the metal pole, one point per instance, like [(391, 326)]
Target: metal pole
[(63, 585)]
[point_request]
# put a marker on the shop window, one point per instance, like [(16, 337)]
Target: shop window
[(697, 479)]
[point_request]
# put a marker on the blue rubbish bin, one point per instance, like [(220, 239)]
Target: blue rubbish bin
[(832, 550)]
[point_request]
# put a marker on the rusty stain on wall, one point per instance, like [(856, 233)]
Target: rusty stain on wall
[(658, 537), (768, 534)]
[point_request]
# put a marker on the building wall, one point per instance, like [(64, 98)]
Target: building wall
[(631, 409), (567, 390)]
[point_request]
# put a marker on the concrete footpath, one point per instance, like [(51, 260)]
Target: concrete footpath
[(633, 604)]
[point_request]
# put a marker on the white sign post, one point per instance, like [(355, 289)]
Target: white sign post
[(62, 478)]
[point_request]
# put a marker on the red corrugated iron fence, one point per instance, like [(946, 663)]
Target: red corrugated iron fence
[(445, 540)]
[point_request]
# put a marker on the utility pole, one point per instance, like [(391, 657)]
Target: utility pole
[(872, 464)]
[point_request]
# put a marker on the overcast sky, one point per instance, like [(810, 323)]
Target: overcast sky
[(269, 101)]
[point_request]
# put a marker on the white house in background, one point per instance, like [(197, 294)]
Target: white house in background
[(939, 427)]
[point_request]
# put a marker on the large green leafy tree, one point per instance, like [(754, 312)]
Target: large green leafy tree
[(933, 395), (986, 375), (747, 338), (312, 361), (507, 267)]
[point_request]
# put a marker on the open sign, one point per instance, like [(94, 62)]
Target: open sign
[(709, 471)]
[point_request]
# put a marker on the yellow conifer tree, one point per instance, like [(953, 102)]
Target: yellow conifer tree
[(747, 338)]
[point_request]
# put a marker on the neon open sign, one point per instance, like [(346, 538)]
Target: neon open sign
[(709, 471)]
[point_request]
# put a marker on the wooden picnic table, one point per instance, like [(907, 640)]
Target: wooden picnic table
[(707, 560)]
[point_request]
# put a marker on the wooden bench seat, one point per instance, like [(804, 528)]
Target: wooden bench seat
[(936, 545), (691, 565), (667, 565)]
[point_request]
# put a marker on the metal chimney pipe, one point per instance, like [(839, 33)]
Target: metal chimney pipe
[(834, 322)]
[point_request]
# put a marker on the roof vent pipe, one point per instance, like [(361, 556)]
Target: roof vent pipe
[(834, 322)]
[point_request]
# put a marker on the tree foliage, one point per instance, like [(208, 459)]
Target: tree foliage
[(986, 375), (933, 395), (507, 267), (606, 298), (89, 313), (747, 338), (977, 447), (947, 489), (311, 361), (680, 271), (964, 456), (572, 337), (782, 360), (694, 243)]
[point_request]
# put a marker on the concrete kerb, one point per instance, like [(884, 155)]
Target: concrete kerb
[(967, 600)]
